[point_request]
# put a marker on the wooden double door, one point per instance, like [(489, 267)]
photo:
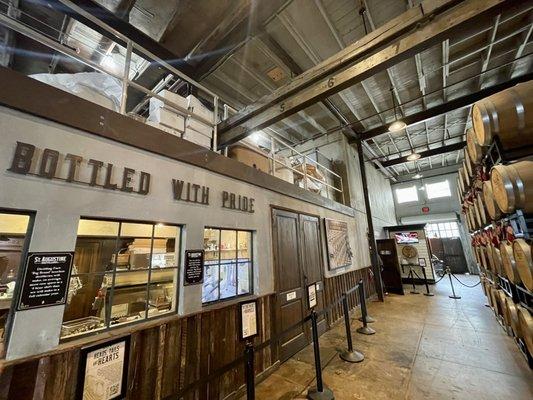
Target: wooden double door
[(298, 262)]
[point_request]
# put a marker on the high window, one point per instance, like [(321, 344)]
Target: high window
[(438, 189), (123, 272), (406, 194), (443, 230), (228, 264), (13, 234)]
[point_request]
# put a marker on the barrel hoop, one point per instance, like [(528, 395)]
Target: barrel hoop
[(519, 107)]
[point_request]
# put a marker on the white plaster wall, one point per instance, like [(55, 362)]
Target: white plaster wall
[(59, 205), (382, 204), (438, 207)]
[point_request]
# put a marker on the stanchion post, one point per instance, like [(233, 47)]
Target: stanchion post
[(453, 296), (350, 354), (365, 329), (412, 275), (318, 393), (249, 371), (428, 293), (369, 319)]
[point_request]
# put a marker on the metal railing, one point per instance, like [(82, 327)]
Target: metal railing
[(16, 25), (277, 146)]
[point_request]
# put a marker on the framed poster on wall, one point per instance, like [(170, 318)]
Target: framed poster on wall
[(338, 244), (103, 370)]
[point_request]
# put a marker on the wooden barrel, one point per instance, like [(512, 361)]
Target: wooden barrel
[(497, 259), (483, 256), (524, 263), (526, 327), (469, 165), (490, 204), (466, 177), (512, 185), (508, 114), (481, 209), (475, 151), (475, 214), (490, 259), (461, 180), (502, 304), (508, 262), (512, 311)]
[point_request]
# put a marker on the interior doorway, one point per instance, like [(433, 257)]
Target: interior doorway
[(445, 242), (298, 262)]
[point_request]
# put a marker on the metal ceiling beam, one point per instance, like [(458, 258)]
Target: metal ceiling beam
[(122, 26), (370, 43), (428, 153), (486, 58), (455, 21), (451, 105)]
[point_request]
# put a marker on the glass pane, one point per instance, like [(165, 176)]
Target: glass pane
[(89, 227), (134, 246), (210, 286), (86, 304), (136, 230), (245, 245), (228, 280), (13, 228), (164, 253), (166, 231), (161, 291), (211, 244), (228, 245), (404, 195), (95, 255), (243, 277), (129, 301)]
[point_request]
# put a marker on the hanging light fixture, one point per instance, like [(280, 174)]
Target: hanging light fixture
[(397, 124), (413, 156)]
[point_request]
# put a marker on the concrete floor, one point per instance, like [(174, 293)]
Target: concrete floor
[(424, 348)]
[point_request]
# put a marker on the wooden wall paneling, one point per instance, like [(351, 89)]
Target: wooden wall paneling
[(205, 353), (62, 376), (5, 382), (23, 380), (191, 365), (161, 349), (172, 359)]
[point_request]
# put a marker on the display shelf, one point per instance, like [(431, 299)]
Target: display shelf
[(497, 155), (525, 298), (521, 223), (507, 287)]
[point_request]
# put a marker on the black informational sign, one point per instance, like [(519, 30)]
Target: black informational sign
[(46, 278), (194, 267)]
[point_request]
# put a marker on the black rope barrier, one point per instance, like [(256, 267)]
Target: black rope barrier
[(250, 348), (464, 284)]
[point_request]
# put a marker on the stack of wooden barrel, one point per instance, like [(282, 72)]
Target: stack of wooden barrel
[(495, 185)]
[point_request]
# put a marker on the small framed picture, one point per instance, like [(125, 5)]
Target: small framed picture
[(248, 319), (311, 296), (422, 262)]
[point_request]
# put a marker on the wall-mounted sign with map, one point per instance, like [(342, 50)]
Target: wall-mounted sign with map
[(339, 250)]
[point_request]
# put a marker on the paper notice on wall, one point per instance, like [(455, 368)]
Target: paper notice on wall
[(311, 295), (248, 319), (104, 371)]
